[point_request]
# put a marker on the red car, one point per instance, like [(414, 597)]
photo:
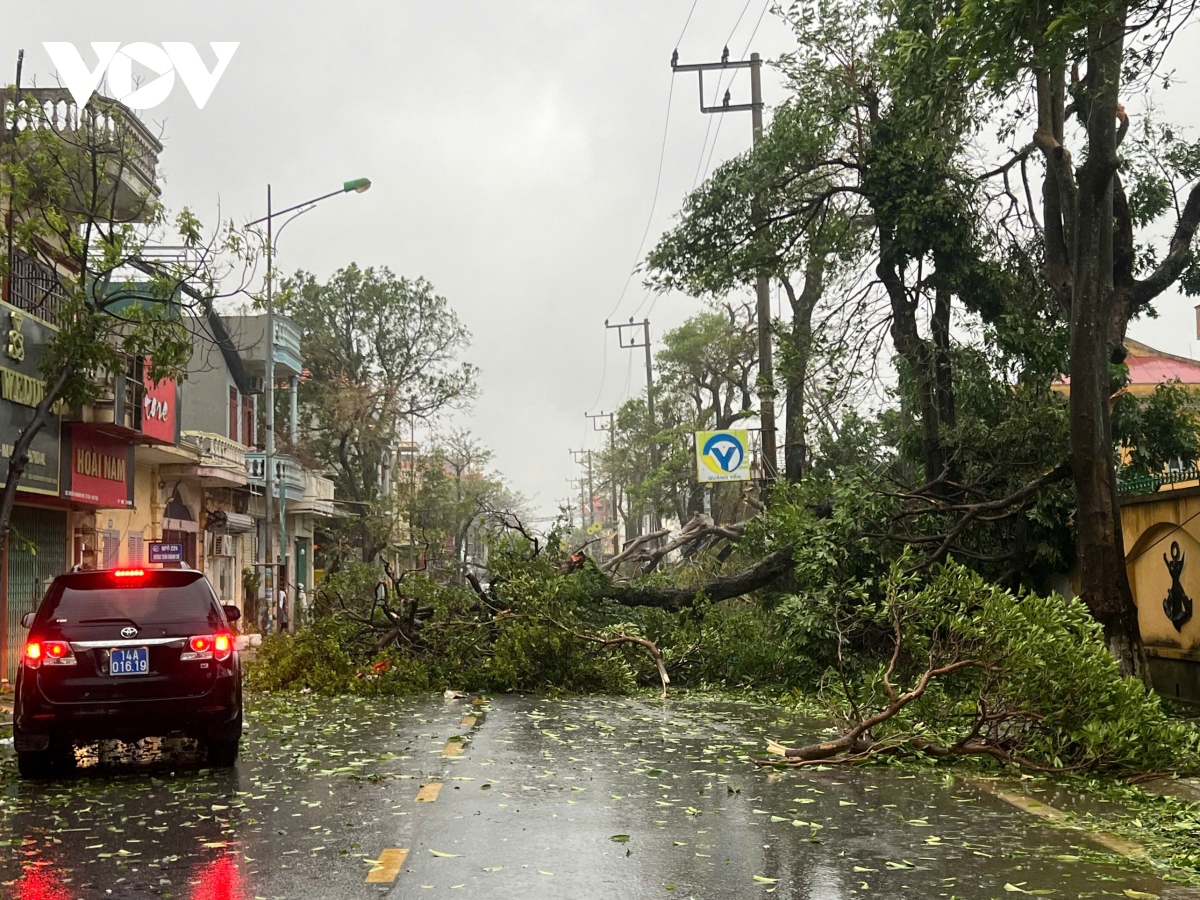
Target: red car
[(127, 654)]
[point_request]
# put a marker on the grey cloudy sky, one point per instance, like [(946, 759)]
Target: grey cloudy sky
[(514, 149)]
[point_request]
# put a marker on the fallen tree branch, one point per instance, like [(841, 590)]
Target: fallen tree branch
[(763, 573)]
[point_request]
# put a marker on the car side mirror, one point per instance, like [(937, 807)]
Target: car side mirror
[(232, 613), (27, 619)]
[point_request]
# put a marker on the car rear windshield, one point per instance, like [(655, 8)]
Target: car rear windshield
[(158, 598)]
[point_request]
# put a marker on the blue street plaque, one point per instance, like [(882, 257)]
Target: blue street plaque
[(165, 553)]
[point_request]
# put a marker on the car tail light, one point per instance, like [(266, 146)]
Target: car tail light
[(49, 653), (208, 646), (129, 573)]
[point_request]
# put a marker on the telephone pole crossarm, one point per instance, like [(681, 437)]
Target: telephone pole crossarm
[(701, 68)]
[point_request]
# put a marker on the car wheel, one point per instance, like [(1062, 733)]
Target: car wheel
[(223, 753), (55, 761), (38, 764)]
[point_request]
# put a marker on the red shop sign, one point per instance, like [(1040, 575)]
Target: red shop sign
[(160, 407), (101, 471)]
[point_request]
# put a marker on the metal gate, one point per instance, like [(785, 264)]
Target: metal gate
[(37, 549)]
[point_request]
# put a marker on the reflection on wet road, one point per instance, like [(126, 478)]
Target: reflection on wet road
[(575, 798)]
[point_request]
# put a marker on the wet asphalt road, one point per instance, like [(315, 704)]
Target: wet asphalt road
[(528, 809)]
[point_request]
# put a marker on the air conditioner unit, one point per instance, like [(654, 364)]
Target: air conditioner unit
[(255, 384), (222, 545)]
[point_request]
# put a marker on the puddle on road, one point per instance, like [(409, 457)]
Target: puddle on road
[(319, 785)]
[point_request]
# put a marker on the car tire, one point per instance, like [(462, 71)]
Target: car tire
[(55, 761), (222, 754), (35, 764)]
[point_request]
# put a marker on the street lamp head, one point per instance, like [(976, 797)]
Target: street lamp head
[(358, 185)]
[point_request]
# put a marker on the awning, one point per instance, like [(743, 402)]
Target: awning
[(229, 522)]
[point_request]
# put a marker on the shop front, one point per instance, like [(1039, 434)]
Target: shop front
[(97, 477), (37, 547)]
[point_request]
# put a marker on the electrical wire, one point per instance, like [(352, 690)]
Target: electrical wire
[(662, 155), (686, 23), (653, 204), (721, 118), (713, 150)]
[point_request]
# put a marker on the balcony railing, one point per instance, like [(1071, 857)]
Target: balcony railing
[(218, 451), (288, 473), (318, 496), (1148, 484), (36, 288), (104, 130), (317, 488), (287, 336)]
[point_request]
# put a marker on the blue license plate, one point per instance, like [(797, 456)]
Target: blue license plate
[(129, 661)]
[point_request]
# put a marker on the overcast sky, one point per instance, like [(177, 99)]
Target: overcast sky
[(514, 151)]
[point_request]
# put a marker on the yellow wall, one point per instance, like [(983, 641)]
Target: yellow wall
[(1150, 527)]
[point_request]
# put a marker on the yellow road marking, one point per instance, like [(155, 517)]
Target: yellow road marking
[(469, 721), (429, 792), (1052, 814), (452, 748), (388, 866)]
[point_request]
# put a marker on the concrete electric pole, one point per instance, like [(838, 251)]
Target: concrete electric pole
[(632, 344), (595, 419), (766, 370)]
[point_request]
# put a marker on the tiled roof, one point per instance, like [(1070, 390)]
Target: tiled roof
[(1157, 369), (1150, 366)]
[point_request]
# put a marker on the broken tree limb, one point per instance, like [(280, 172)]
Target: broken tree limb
[(763, 573), (698, 528), (851, 741), (635, 545)]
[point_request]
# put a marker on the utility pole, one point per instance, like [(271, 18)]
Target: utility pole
[(357, 185), (272, 586), (584, 458), (632, 344), (766, 370), (595, 419)]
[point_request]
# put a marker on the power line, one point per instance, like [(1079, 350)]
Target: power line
[(662, 155), (687, 23), (713, 149), (653, 203)]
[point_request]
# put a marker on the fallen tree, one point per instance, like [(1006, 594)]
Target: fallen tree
[(1024, 679), (761, 574)]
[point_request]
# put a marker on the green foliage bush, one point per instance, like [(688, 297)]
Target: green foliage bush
[(317, 658), (1049, 676)]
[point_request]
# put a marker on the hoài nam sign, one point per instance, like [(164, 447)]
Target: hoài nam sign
[(100, 471), (722, 456), (23, 339)]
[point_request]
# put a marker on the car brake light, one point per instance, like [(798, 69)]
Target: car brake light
[(208, 646), (50, 653), (129, 573)]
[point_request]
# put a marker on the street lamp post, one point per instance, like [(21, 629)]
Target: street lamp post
[(356, 185)]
